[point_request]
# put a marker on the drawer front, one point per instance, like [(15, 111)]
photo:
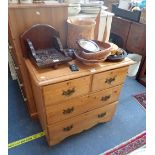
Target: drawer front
[(61, 130), (65, 90), (109, 79), (80, 105)]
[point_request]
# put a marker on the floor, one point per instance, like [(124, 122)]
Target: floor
[(129, 120)]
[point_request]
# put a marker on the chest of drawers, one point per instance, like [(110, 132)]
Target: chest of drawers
[(70, 102)]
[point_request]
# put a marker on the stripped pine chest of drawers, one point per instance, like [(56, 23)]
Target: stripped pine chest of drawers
[(71, 102)]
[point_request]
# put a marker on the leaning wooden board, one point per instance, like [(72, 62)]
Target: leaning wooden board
[(21, 18), (70, 102)]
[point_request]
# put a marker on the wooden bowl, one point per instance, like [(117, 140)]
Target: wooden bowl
[(86, 61), (103, 53)]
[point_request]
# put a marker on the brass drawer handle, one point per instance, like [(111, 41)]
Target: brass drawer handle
[(68, 128), (68, 92), (110, 80), (68, 111), (105, 98), (101, 115)]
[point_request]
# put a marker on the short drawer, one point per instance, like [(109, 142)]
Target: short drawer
[(76, 106), (109, 79), (61, 130), (65, 90)]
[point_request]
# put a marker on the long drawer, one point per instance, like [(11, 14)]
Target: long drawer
[(109, 79), (61, 130), (80, 105), (65, 90)]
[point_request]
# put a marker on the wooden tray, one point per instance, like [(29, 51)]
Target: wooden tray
[(86, 61)]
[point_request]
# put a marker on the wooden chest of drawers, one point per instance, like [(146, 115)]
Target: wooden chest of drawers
[(70, 102)]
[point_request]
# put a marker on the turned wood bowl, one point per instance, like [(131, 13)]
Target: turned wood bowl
[(103, 52), (86, 61)]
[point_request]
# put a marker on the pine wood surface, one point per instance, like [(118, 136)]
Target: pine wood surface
[(39, 102), (66, 99), (49, 76), (58, 92), (109, 79), (80, 123), (73, 107)]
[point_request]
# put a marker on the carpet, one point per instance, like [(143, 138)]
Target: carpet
[(135, 142), (128, 146), (141, 98)]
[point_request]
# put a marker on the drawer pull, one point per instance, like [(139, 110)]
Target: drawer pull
[(101, 115), (105, 98), (110, 80), (68, 111), (68, 92), (68, 128)]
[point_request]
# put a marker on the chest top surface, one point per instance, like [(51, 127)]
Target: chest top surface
[(50, 75)]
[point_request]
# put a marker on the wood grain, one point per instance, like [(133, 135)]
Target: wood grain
[(133, 34), (76, 106), (80, 123), (41, 36), (37, 92), (118, 28), (109, 79), (49, 76), (137, 39), (90, 103), (58, 92)]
